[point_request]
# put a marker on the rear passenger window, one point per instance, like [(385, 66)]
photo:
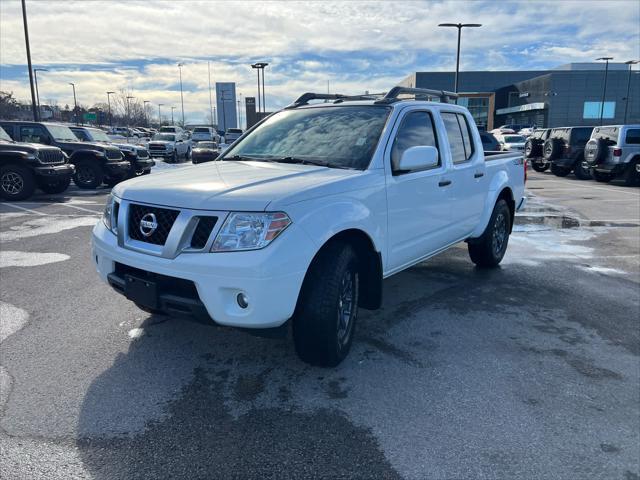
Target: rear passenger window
[(459, 137), (633, 136), (416, 131)]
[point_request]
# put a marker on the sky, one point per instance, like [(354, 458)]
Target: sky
[(347, 46)]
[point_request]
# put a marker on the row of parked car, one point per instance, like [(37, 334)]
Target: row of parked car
[(602, 153), (47, 156)]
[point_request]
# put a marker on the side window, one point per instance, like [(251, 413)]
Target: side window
[(459, 137), (82, 135), (416, 130), (10, 131), (633, 136), (33, 134)]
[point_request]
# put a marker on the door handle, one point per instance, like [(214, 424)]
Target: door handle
[(478, 175), (444, 183)]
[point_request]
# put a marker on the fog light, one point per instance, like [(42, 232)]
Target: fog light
[(242, 300)]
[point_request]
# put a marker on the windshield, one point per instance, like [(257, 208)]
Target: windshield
[(342, 137), (205, 145), (4, 136), (200, 130), (62, 133), (99, 136), (167, 137), (234, 130), (513, 139)]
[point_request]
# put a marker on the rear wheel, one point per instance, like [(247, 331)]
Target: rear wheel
[(559, 171), (488, 250), (325, 318), (601, 177), (88, 175), (540, 167), (16, 182), (631, 175), (55, 186)]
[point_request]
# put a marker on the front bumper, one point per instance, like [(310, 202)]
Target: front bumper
[(55, 171), (143, 164), (118, 167), (270, 278)]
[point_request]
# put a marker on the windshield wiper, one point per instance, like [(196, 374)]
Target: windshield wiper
[(241, 158), (308, 161)]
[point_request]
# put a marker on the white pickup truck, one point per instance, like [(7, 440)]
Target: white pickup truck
[(299, 222)]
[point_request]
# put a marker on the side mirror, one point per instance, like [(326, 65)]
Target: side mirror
[(417, 158)]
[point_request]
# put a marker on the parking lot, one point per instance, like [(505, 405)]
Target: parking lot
[(530, 370)]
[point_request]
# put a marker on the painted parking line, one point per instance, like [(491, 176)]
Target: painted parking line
[(35, 212), (594, 187)]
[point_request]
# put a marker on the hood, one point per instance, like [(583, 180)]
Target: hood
[(161, 142), (25, 147), (229, 185), (86, 146)]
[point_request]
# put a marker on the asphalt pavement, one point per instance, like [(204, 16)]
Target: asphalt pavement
[(527, 371)]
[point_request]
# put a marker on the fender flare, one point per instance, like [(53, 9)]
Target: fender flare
[(78, 155), (13, 156), (498, 185)]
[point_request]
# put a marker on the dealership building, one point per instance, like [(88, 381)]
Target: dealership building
[(567, 95)]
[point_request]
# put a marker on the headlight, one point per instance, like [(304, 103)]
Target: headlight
[(249, 231), (110, 214)]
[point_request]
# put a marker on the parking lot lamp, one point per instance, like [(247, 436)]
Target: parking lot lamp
[(626, 103), (255, 65), (35, 77), (129, 111), (180, 65), (75, 103), (26, 41), (160, 116), (172, 109), (604, 86), (459, 26), (109, 106), (146, 117)]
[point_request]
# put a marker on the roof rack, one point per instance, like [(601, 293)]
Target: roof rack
[(392, 95), (305, 98)]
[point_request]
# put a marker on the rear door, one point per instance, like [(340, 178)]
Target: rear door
[(417, 201), (467, 192)]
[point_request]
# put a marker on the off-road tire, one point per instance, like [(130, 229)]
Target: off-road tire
[(540, 168), (113, 181), (89, 175), (532, 149), (488, 250), (601, 177), (317, 323), (581, 172), (559, 171), (56, 186), (551, 149), (630, 176), (16, 182)]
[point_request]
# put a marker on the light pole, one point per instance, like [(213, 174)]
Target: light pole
[(159, 116), (459, 26), (75, 103), (129, 111), (626, 103), (172, 109), (146, 117), (604, 86), (26, 41), (260, 66), (180, 65), (210, 97), (240, 112), (109, 105), (255, 65), (35, 77)]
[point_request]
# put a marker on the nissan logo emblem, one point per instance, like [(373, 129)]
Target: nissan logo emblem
[(148, 224)]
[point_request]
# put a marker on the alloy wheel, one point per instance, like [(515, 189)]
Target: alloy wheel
[(12, 183)]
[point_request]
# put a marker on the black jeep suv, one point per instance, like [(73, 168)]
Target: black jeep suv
[(25, 166), (564, 149), (93, 161), (138, 157), (533, 149)]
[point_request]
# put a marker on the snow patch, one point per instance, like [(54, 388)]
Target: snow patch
[(12, 319), (162, 166), (8, 215), (135, 333), (603, 270), (10, 258), (45, 225)]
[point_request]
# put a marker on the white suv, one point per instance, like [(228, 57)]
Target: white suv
[(612, 151)]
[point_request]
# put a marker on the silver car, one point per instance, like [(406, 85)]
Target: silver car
[(614, 151)]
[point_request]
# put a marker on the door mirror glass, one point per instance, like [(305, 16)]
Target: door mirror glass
[(418, 158)]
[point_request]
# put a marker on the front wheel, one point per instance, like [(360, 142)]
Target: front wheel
[(631, 175), (560, 171), (55, 186), (327, 310), (488, 250), (88, 175), (16, 182), (540, 167)]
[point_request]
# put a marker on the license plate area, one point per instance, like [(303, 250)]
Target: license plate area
[(142, 291)]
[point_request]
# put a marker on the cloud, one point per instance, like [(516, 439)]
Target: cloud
[(357, 46)]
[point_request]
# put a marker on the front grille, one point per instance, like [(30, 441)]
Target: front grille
[(51, 156), (142, 153), (113, 154), (156, 147), (165, 219), (202, 231)]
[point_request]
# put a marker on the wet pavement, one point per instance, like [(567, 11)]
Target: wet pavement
[(527, 371)]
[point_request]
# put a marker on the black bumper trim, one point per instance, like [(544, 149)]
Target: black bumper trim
[(55, 171), (117, 167)]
